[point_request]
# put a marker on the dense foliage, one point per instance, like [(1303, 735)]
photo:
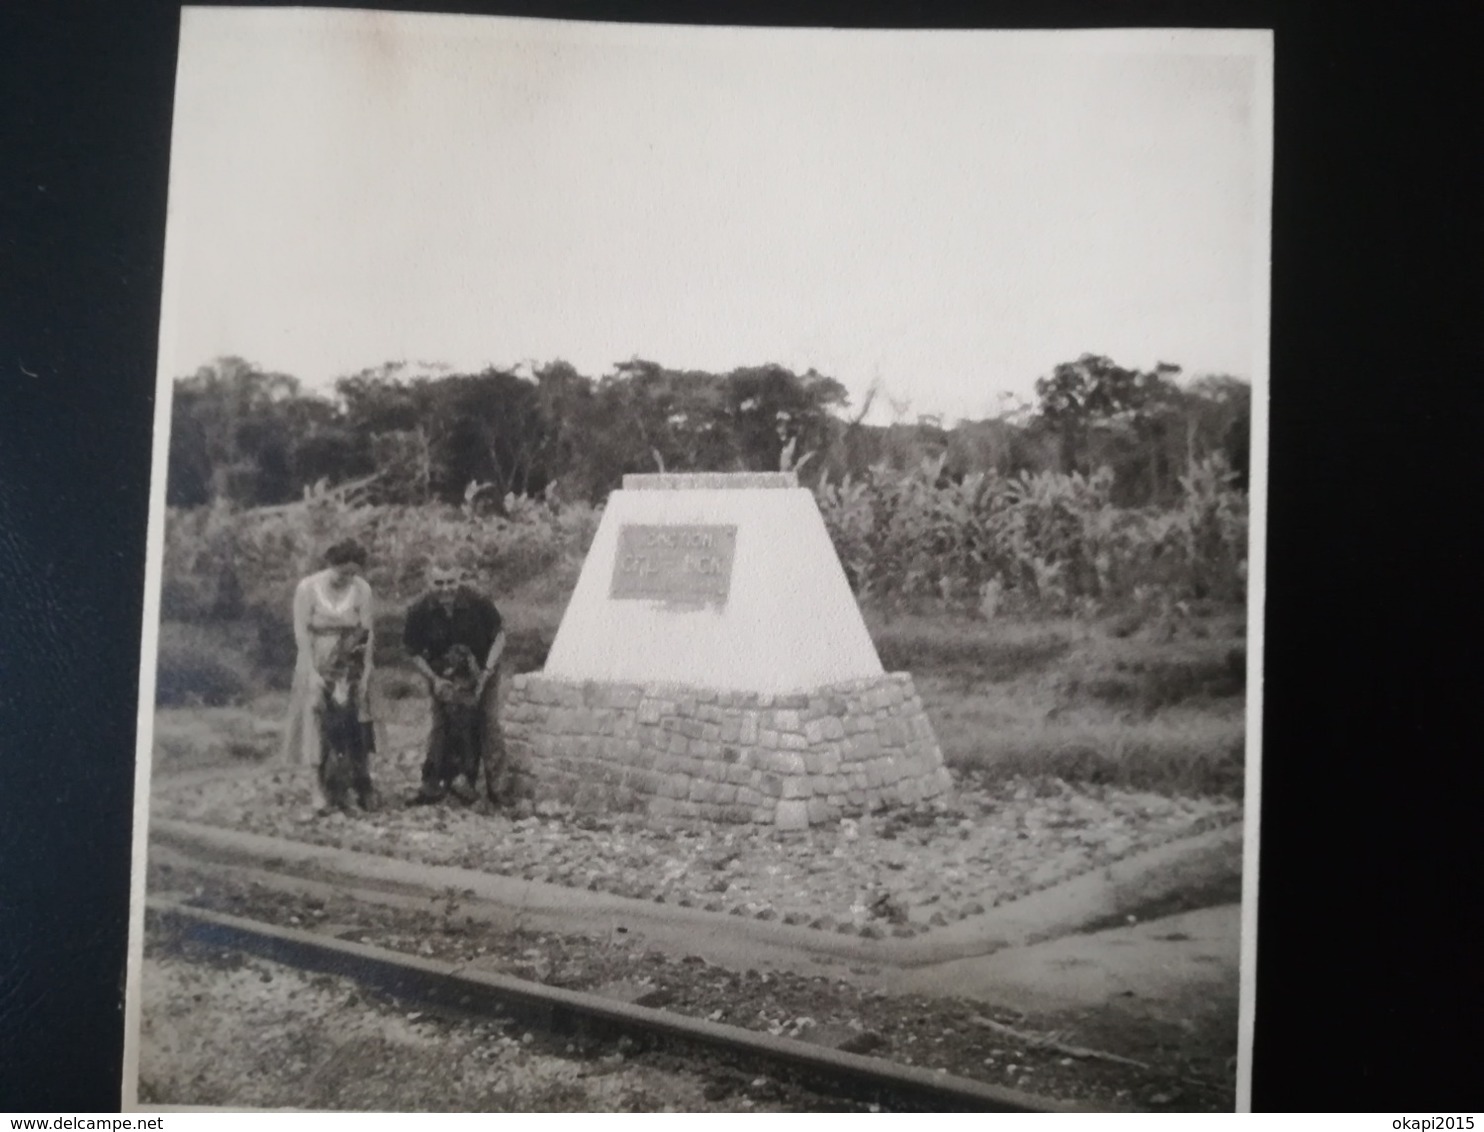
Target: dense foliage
[(1033, 542), (223, 563), (244, 437), (1037, 542), (1122, 492)]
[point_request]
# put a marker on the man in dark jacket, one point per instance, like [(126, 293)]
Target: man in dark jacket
[(455, 637)]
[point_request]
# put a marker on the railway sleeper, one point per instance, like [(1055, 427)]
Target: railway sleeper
[(586, 1018)]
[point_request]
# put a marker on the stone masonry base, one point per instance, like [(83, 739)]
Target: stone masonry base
[(688, 753)]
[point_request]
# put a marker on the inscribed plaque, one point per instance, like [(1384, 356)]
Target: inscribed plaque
[(687, 564)]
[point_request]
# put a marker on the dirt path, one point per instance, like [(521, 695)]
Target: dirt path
[(1159, 969)]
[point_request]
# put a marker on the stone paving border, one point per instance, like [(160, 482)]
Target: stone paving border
[(1061, 909)]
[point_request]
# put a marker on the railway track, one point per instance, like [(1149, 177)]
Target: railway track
[(461, 991)]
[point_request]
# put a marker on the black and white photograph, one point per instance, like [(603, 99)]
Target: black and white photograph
[(703, 569)]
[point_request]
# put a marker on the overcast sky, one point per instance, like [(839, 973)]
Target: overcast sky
[(951, 213)]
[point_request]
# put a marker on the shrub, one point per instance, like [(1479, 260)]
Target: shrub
[(273, 650), (526, 648), (1174, 682), (220, 561), (196, 666), (1130, 760), (1151, 686), (994, 653)]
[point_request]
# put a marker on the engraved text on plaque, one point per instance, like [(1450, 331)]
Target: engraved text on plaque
[(687, 564)]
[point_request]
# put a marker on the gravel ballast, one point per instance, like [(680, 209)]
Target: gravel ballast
[(903, 873)]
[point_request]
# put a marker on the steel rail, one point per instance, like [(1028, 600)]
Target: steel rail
[(471, 992)]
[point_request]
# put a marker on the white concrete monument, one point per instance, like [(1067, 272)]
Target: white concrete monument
[(713, 664)]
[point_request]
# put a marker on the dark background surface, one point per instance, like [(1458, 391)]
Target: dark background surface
[(1369, 978)]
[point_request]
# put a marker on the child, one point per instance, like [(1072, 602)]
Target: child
[(345, 739), (461, 719)]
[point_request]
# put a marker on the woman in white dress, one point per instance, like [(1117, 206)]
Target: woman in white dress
[(333, 615)]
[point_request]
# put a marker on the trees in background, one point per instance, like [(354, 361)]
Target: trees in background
[(251, 438), (1143, 424), (1116, 488), (232, 427)]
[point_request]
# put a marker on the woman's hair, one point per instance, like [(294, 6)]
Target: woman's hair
[(346, 553)]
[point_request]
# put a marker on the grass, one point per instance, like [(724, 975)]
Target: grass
[(992, 652), (198, 738), (1193, 755), (1108, 702), (203, 665), (1202, 880), (1085, 702)]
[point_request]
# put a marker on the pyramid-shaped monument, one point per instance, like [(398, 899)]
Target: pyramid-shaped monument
[(712, 664)]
